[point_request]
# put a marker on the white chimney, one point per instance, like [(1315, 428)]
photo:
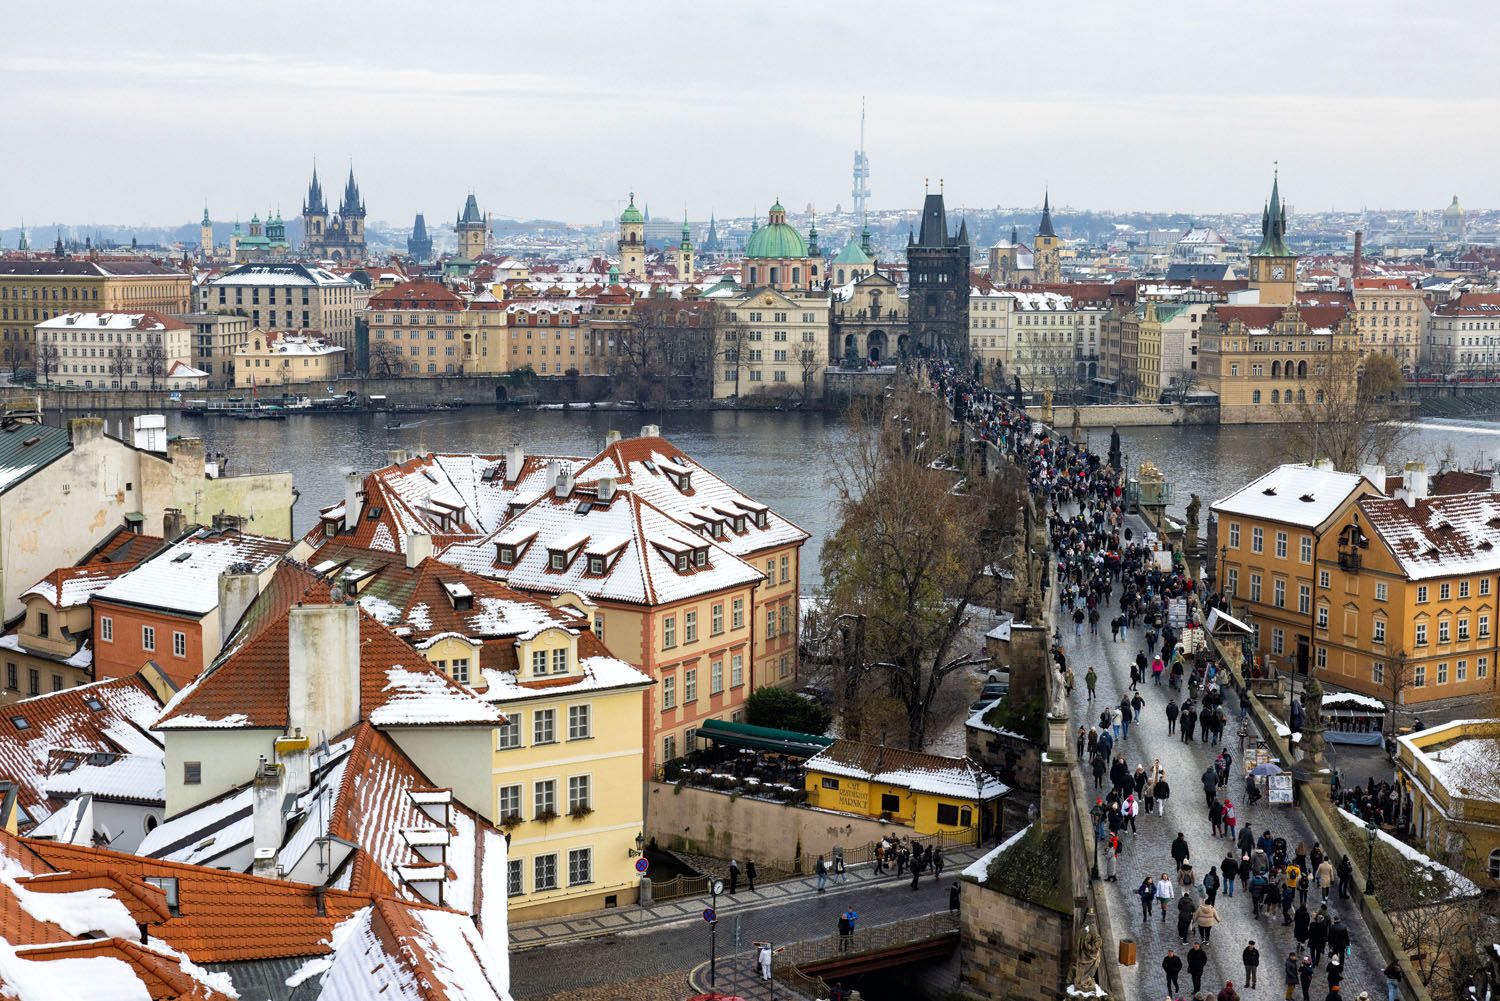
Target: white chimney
[(267, 822), (1413, 483), (150, 433), (610, 437), (323, 669), (418, 548), (1375, 474), (651, 431), (1495, 476), (352, 504), (396, 456), (294, 755), (564, 481), (237, 592), (515, 459), (605, 488)]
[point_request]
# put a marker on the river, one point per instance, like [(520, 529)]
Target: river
[(780, 459)]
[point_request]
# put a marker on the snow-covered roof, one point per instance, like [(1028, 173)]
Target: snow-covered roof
[(1293, 494), (598, 674), (282, 274), (146, 320), (184, 577), (960, 778), (1460, 755), (1441, 536), (1352, 700), (141, 778)]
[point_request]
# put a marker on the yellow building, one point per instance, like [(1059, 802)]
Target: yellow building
[(1388, 315), (1449, 772), (929, 793), (33, 290), (777, 341), (1267, 363), (281, 358), (425, 328)]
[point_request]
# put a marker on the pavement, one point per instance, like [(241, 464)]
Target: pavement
[(1149, 851), (549, 957)]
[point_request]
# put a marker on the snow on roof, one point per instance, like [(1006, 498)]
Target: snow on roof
[(145, 320), (1439, 536), (1352, 700), (419, 697), (1462, 886), (599, 674), (138, 777), (1294, 494), (1465, 763), (282, 274), (79, 912), (185, 577), (37, 977), (961, 778), (979, 869)]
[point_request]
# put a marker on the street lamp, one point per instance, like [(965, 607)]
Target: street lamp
[(639, 849), (1223, 558), (1370, 859), (715, 887)]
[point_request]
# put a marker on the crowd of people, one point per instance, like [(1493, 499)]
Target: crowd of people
[(1099, 562)]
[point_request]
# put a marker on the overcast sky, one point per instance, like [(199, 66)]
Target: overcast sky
[(120, 113)]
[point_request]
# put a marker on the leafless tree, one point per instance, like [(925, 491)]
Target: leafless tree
[(1344, 416), (387, 360), (154, 357), (48, 360), (667, 342), (119, 366)]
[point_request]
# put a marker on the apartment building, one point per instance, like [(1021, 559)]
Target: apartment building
[(111, 350), (216, 337), (1463, 336), (1265, 361), (425, 328), (279, 296), (777, 342), (285, 357), (1388, 316)]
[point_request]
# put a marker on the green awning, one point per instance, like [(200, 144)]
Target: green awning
[(763, 738)]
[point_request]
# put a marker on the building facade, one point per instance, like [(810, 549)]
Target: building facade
[(341, 236), (776, 343), (1448, 771), (1266, 362), (216, 337), (285, 357), (472, 230), (425, 328), (111, 350), (290, 297), (1047, 248), (937, 264), (1463, 336), (1388, 315), (867, 322)]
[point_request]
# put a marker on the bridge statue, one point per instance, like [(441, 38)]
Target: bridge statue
[(1088, 948), (1194, 506)]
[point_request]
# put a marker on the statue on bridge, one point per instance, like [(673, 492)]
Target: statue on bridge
[(1088, 949), (1194, 506)]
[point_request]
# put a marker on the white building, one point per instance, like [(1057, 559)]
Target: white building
[(289, 297), (111, 350), (1463, 335)]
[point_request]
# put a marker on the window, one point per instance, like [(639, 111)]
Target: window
[(1442, 674), (168, 885), (192, 773), (509, 801), (1421, 594), (669, 632), (1443, 631), (544, 726), (148, 638), (33, 682), (560, 660), (1232, 581), (669, 692), (786, 665), (1257, 540), (1482, 667), (1377, 634), (1484, 626), (1463, 589), (106, 628), (1306, 549), (509, 735), (947, 815), (1322, 616), (690, 627), (770, 623), (770, 572), (890, 803), (43, 624), (544, 798), (785, 565), (1377, 673), (1255, 587), (1381, 591), (1278, 641), (829, 783), (1484, 586), (513, 878), (737, 614), (1278, 593), (580, 866), (690, 685), (1463, 630), (578, 793), (736, 670), (544, 872), (1304, 599), (1281, 545), (1323, 578), (580, 723), (1234, 535), (179, 644), (1322, 657), (669, 747), (1461, 671), (1495, 864), (716, 677), (1445, 591), (1421, 634), (461, 670), (539, 662), (599, 626), (786, 619), (716, 618)]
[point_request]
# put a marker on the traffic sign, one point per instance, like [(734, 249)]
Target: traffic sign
[(709, 915), (641, 865)]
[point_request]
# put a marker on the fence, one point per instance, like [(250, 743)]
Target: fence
[(877, 938)]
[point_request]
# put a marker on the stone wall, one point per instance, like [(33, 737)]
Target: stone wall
[(1009, 948), (1014, 758), (1126, 414)]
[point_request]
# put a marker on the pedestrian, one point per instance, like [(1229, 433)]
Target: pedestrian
[(1211, 884), (1116, 718), (1078, 617), (1392, 979), (839, 875), (763, 956), (734, 877), (1338, 940), (1137, 704), (1346, 877), (1210, 782), (1090, 679), (1179, 849), (1146, 892), (1197, 959), (1335, 970), (1172, 966), (1287, 896), (846, 929), (1068, 682), (750, 873), (1129, 810), (937, 863), (1097, 767), (1185, 721), (1228, 993), (902, 858), (880, 856), (1317, 936), (1082, 736), (1289, 969), (1305, 977), (1112, 859), (1301, 925), (1186, 908), (1230, 868), (917, 864), (1172, 711), (953, 894), (1325, 875), (1164, 893), (1163, 791), (1230, 820), (1205, 918), (1216, 817), (820, 869), (1135, 677), (1251, 960), (1258, 887)]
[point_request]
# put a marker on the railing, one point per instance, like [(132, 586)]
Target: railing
[(877, 938), (679, 886)]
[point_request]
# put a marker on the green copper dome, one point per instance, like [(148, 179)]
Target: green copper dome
[(776, 240), (853, 254), (631, 213)]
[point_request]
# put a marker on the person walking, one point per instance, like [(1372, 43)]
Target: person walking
[(734, 877), (1216, 817), (1197, 959), (1163, 792), (1179, 849), (1078, 617), (1317, 936), (1289, 970), (1250, 958), (1171, 965), (1305, 977), (1210, 783), (1228, 993), (820, 869), (1090, 679), (953, 896), (1164, 893), (1186, 908), (1146, 893), (1137, 704), (1301, 925), (1172, 712), (1230, 868), (750, 873), (1338, 940), (839, 875), (1231, 820), (1325, 875), (1205, 917), (763, 957), (1068, 683), (937, 863), (846, 928), (1392, 979), (1346, 877), (917, 864)]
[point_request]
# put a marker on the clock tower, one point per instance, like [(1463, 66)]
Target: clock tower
[(1273, 266)]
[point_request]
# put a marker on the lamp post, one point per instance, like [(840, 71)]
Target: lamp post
[(1370, 859), (715, 887), (1223, 558)]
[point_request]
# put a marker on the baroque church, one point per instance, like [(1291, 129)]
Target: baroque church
[(342, 237)]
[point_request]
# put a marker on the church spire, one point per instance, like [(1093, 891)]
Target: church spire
[(1273, 224), (1045, 228)]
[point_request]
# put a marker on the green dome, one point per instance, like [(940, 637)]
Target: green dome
[(853, 254), (775, 241), (631, 213)]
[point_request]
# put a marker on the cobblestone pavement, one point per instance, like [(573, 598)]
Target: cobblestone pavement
[(1149, 851)]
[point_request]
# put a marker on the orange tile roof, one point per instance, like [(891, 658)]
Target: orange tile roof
[(162, 975)]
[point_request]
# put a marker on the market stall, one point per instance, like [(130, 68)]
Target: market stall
[(1353, 719)]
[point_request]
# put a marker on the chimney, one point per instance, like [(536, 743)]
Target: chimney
[(1413, 483), (651, 431), (352, 506), (605, 488), (1375, 474), (323, 669), (610, 437), (396, 456), (173, 524), (82, 430), (1359, 256), (267, 822), (237, 591), (1324, 464), (564, 481), (294, 756), (418, 548), (515, 459)]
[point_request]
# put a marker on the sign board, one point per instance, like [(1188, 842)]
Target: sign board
[(1177, 613), (1281, 788), (641, 865), (709, 915)]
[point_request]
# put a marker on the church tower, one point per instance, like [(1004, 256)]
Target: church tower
[(1273, 266), (685, 253), (470, 229), (314, 214), (419, 244), (937, 265), (632, 245), (205, 236), (352, 213), (1047, 252)]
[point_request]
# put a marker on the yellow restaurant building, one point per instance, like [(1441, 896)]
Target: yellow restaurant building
[(1449, 772), (928, 793)]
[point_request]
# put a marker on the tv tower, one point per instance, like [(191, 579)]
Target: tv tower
[(861, 167)]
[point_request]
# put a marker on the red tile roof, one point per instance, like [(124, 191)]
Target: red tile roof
[(417, 295), (1256, 317), (162, 975), (1323, 317)]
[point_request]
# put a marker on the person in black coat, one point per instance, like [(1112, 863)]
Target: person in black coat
[(1301, 923), (1172, 967), (1162, 793), (1172, 712), (1179, 849), (1338, 940), (1317, 937), (1196, 961)]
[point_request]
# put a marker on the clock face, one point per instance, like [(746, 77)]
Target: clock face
[(1278, 273)]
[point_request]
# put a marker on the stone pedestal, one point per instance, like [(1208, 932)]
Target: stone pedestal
[(645, 897)]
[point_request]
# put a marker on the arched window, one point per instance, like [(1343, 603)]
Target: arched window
[(754, 275), (1301, 396), (1302, 370), (796, 276), (1275, 396), (1495, 864), (775, 275), (1255, 396), (1276, 370)]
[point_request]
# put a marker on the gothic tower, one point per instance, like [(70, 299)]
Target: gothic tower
[(684, 253), (419, 244), (632, 245), (938, 269), (1047, 251), (352, 213), (470, 229), (1273, 266), (314, 214), (206, 236)]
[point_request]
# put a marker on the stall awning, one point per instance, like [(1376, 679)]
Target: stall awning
[(763, 738)]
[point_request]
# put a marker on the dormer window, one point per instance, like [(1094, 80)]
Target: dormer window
[(761, 519), (557, 559), (739, 523), (459, 596), (682, 561), (700, 557), (596, 564), (506, 555)]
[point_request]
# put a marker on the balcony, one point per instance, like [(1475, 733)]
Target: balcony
[(1350, 560)]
